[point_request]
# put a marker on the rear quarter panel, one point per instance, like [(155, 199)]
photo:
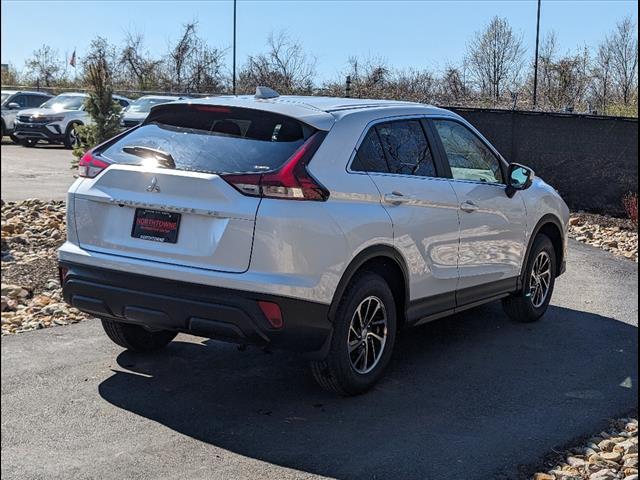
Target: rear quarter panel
[(316, 241)]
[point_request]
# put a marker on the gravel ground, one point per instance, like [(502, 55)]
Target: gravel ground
[(617, 235), (610, 455), (32, 230)]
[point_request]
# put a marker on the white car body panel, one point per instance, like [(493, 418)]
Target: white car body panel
[(425, 230), (492, 237), (216, 225)]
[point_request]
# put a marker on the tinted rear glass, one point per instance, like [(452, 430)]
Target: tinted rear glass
[(214, 139)]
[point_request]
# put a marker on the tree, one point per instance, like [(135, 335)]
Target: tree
[(624, 59), (601, 76), (563, 80), (495, 58), (44, 65), (10, 75), (137, 63), (103, 110), (452, 85), (193, 66), (285, 67)]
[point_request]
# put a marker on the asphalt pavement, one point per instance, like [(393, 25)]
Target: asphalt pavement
[(41, 172), (472, 396)]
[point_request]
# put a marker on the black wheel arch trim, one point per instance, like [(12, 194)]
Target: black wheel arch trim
[(73, 123), (369, 253), (546, 219)]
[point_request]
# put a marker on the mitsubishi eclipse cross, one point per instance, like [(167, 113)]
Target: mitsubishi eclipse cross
[(319, 225)]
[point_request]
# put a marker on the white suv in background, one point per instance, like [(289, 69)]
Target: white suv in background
[(12, 102), (319, 225), (55, 120)]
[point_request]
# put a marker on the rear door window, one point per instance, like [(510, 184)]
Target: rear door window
[(406, 148), (214, 139), (398, 147), (370, 156)]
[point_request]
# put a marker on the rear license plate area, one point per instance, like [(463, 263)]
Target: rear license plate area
[(156, 225)]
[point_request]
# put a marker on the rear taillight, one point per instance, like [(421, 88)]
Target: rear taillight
[(90, 166), (291, 182)]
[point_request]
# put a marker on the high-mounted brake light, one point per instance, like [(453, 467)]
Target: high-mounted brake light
[(212, 108), (90, 166), (291, 182)]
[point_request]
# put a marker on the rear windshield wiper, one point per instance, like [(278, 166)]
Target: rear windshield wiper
[(164, 159)]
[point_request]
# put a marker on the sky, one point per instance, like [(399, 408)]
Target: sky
[(407, 34)]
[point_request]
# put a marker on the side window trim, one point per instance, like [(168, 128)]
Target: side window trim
[(439, 155), (501, 162), (435, 154), (384, 152)]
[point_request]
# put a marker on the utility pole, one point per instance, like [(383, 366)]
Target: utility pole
[(535, 68), (234, 46)]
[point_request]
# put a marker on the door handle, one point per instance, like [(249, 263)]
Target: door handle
[(468, 206), (396, 198)]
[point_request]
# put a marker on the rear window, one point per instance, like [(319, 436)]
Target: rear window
[(213, 139)]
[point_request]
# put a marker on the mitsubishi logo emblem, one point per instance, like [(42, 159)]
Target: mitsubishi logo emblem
[(153, 186)]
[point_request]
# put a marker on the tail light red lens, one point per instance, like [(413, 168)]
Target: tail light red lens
[(273, 313), (291, 182), (90, 166)]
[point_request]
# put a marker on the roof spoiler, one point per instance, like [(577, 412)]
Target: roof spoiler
[(265, 93)]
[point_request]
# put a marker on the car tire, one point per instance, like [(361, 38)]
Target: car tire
[(14, 139), (28, 142), (71, 139), (344, 371), (135, 337), (532, 302)]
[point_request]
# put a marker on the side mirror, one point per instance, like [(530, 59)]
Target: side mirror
[(14, 106), (519, 177)]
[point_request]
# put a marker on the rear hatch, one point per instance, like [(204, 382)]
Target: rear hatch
[(163, 196)]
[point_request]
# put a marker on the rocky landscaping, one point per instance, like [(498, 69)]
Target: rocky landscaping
[(609, 455), (617, 235), (31, 298)]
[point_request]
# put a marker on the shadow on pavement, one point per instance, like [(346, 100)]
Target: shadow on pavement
[(42, 144), (471, 396)]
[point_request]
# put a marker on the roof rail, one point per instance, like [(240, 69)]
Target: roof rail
[(266, 92)]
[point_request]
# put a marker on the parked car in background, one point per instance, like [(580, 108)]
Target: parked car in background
[(15, 100), (316, 224), (56, 120), (135, 113)]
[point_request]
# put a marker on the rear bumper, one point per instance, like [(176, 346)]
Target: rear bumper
[(213, 312), (30, 131)]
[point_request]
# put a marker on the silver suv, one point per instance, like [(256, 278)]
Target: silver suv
[(319, 225), (12, 102)]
